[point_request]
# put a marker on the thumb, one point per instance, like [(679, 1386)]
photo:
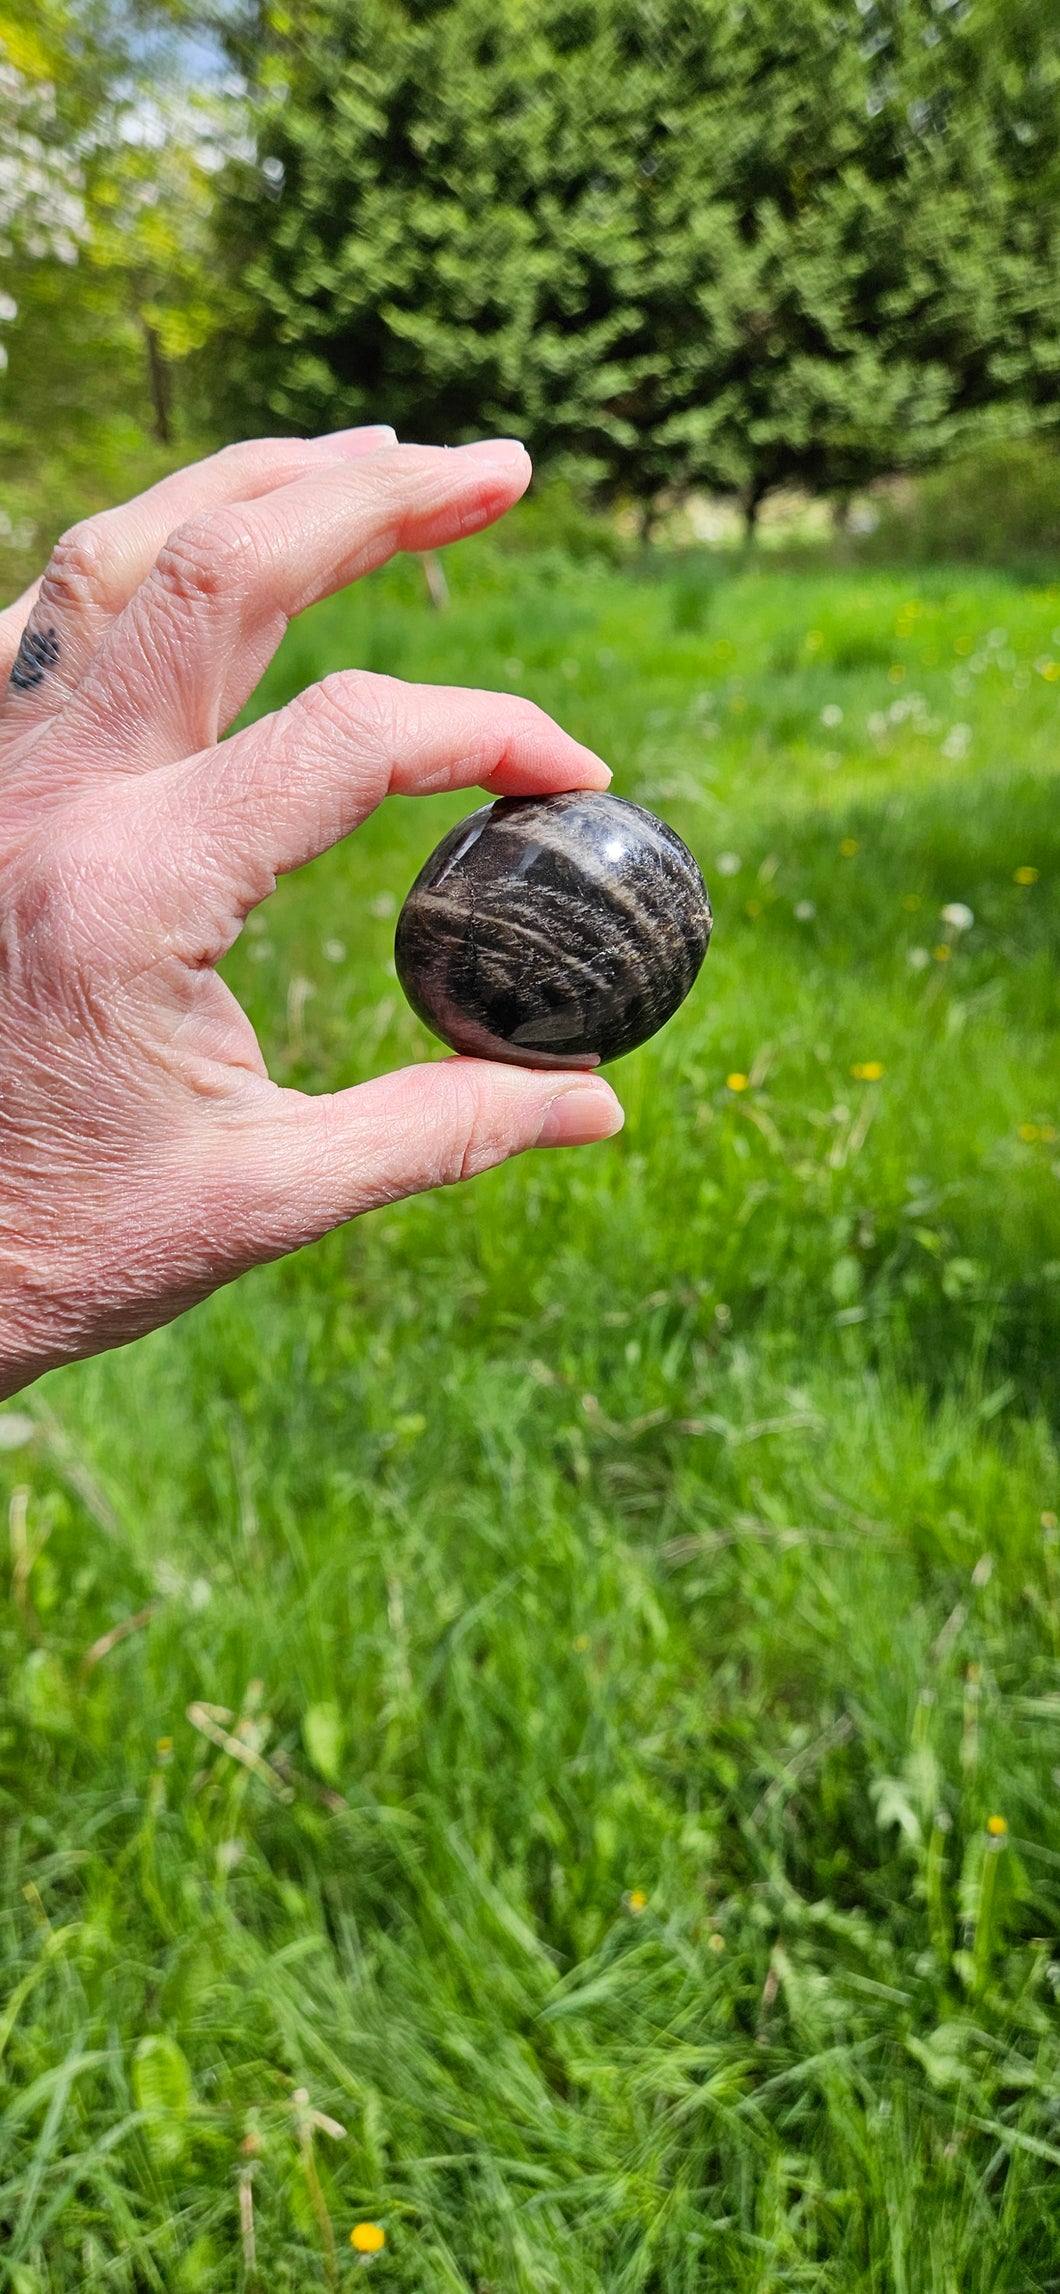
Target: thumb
[(308, 1164)]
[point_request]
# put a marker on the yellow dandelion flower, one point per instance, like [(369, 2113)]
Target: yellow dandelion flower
[(1028, 1132), (736, 1082), (1046, 1132), (367, 2238), (896, 673), (867, 1070), (1025, 876), (716, 1942), (581, 1643), (942, 954), (849, 847), (636, 1902), (997, 1826), (164, 1746)]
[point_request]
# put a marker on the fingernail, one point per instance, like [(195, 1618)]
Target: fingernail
[(602, 775), (581, 1114), (500, 451)]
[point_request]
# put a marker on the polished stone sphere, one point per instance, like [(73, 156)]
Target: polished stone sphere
[(553, 931)]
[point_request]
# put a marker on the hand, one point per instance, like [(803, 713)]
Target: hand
[(145, 1157)]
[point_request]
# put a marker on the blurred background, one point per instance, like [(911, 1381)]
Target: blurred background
[(529, 1733), (699, 256)]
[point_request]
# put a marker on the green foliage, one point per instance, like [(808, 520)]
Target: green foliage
[(557, 516), (322, 1734), (594, 1615), (106, 173), (669, 244), (162, 2091), (996, 507)]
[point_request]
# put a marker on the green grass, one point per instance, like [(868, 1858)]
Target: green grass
[(634, 1579)]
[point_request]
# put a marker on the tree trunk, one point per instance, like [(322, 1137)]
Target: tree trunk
[(646, 522), (753, 500), (159, 386), (842, 504)]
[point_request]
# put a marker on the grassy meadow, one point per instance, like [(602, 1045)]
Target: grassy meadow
[(536, 1723)]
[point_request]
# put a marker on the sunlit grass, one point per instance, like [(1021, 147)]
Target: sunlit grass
[(560, 1681)]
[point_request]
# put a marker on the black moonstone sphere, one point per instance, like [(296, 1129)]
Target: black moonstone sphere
[(553, 931)]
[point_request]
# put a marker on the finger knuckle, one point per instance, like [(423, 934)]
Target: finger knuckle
[(527, 716), (472, 1136), (518, 729), (353, 709), (77, 575), (244, 454), (234, 456), (354, 699), (212, 556), (43, 898), (328, 707)]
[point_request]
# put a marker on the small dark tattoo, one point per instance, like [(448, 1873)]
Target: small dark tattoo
[(38, 651)]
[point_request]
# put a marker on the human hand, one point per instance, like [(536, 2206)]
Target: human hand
[(145, 1157)]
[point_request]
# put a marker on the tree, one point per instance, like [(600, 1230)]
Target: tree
[(669, 241), (895, 199), (106, 178)]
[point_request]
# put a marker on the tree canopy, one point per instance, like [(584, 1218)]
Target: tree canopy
[(107, 167), (726, 243), (669, 241)]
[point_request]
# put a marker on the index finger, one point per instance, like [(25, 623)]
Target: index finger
[(193, 642)]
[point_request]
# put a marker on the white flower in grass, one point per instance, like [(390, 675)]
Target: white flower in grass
[(805, 910), (832, 715), (957, 916), (728, 864), (878, 724), (15, 1429), (957, 743), (918, 959)]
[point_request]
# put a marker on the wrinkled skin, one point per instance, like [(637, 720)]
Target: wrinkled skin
[(145, 1157)]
